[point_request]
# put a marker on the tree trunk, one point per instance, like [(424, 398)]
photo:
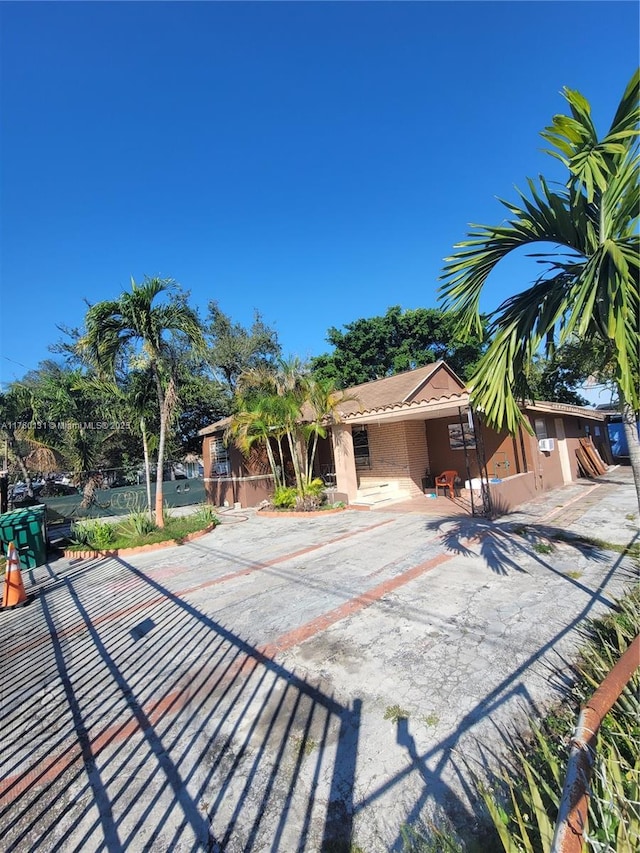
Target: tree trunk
[(21, 463), (629, 422), (282, 476), (272, 462), (163, 430), (296, 464), (311, 461), (147, 467)]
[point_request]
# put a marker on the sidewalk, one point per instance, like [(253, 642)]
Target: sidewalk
[(247, 691)]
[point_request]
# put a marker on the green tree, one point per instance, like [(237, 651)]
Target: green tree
[(202, 400), (285, 405), (560, 376), (15, 411), (64, 427), (138, 324), (374, 347), (589, 287), (234, 349)]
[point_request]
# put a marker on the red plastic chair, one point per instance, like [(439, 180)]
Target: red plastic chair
[(447, 480)]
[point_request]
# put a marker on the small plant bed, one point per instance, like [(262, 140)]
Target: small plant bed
[(137, 533), (312, 500), (268, 511)]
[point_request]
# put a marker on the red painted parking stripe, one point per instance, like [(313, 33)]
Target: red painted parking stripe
[(174, 702), (78, 627), (351, 607)]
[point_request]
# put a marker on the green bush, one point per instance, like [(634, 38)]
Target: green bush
[(314, 489), (312, 496), (93, 534), (140, 523), (523, 807), (284, 497), (206, 514)]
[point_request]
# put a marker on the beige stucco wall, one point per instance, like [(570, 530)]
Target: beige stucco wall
[(346, 479)]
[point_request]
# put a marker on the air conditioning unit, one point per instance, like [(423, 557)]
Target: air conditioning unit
[(546, 444)]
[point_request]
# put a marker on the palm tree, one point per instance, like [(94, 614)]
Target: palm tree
[(114, 329), (321, 410), (277, 397), (16, 409), (589, 288), (285, 403)]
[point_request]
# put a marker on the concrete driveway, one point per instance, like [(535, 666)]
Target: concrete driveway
[(294, 684)]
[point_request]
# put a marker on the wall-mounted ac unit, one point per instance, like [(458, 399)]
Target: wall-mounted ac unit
[(546, 444)]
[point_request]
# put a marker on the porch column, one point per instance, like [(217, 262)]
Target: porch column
[(346, 479)]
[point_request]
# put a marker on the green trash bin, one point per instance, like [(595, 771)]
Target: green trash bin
[(27, 529)]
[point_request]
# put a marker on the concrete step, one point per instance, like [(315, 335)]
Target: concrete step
[(370, 498), (373, 490)]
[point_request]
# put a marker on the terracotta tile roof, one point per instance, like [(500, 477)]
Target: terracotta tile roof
[(412, 405)]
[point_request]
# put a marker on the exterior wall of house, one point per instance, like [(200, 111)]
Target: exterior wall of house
[(548, 465), (417, 454), (442, 457), (235, 479), (247, 491), (512, 492), (577, 428), (389, 455), (439, 384)]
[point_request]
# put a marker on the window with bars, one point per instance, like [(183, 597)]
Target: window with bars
[(361, 447), (220, 465)]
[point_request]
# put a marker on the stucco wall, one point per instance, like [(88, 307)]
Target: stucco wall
[(441, 456), (248, 491), (248, 481), (512, 492)]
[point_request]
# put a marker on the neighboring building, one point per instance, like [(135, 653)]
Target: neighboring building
[(398, 433)]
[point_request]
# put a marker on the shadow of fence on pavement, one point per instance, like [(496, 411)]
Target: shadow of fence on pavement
[(154, 726)]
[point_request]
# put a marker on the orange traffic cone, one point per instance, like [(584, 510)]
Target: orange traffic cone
[(14, 592)]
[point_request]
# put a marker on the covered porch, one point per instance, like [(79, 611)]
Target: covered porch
[(393, 457)]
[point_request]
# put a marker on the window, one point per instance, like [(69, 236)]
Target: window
[(540, 426), (361, 447), (219, 458)]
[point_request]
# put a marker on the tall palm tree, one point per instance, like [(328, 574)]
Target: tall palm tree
[(115, 329), (589, 288)]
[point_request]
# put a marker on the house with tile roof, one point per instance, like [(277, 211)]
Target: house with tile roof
[(394, 436)]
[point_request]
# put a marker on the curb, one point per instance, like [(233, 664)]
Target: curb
[(268, 513), (140, 549)]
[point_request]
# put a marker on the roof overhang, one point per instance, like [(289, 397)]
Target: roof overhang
[(218, 426), (565, 409), (423, 410)]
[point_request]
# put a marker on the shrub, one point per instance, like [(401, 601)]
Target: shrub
[(312, 497), (314, 489), (206, 514), (524, 809), (284, 497), (140, 523), (93, 534)]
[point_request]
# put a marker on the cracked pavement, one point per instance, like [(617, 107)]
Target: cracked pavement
[(247, 691)]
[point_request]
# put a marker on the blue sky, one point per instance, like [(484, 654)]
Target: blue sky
[(314, 161)]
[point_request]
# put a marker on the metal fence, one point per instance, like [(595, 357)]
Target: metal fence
[(124, 499)]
